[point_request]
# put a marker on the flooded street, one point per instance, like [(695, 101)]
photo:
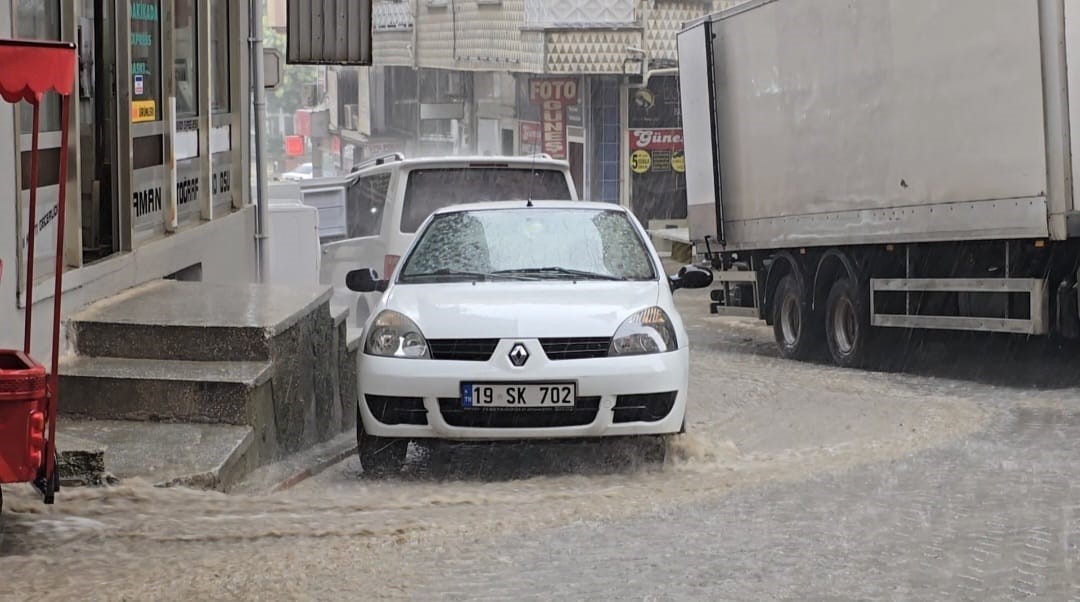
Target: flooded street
[(794, 481)]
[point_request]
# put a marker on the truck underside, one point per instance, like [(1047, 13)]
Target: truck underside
[(843, 299)]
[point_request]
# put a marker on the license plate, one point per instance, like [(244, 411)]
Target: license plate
[(502, 396)]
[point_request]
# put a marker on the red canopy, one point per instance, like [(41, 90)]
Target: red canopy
[(29, 69)]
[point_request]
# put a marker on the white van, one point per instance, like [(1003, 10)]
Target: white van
[(369, 218)]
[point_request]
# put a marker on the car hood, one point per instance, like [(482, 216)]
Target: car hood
[(521, 309)]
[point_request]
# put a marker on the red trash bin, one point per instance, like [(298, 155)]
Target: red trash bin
[(22, 416)]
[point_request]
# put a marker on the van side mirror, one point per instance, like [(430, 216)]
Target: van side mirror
[(365, 280), (691, 276)]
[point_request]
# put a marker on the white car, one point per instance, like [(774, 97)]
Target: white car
[(522, 320), (303, 172), (369, 218)]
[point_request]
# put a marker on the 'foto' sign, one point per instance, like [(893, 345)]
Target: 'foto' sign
[(553, 96)]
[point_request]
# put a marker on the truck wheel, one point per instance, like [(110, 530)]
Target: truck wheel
[(847, 324), (797, 332), (380, 456)]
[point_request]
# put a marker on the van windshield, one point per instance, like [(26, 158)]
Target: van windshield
[(428, 190)]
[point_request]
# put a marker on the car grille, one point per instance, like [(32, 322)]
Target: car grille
[(584, 412), (576, 348), (397, 410), (462, 350), (652, 407)]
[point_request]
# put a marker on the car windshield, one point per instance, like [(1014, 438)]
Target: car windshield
[(529, 243), (429, 190)]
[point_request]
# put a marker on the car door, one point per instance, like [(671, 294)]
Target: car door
[(364, 245)]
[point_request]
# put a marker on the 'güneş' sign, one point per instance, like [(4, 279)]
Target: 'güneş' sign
[(553, 96)]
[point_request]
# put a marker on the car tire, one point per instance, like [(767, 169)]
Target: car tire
[(847, 325), (655, 449), (379, 456), (795, 327)]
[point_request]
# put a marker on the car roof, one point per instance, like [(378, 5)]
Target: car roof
[(522, 204), (474, 161)]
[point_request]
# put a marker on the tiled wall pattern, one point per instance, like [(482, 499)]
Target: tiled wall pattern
[(531, 36)]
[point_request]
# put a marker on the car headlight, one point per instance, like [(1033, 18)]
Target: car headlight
[(647, 331), (395, 335)]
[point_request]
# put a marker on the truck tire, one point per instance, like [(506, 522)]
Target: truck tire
[(379, 456), (847, 324), (797, 333)]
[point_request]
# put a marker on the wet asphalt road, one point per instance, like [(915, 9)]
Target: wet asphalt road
[(951, 478)]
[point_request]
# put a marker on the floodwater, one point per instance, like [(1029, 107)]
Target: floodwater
[(755, 421)]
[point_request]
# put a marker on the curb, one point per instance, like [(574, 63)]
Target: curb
[(302, 475)]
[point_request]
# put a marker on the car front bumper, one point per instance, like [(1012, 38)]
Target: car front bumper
[(603, 378)]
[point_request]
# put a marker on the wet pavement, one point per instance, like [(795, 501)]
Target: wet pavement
[(949, 479)]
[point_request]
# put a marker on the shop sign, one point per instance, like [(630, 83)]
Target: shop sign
[(145, 45), (294, 146), (657, 139), (221, 182), (657, 150), (553, 95), (530, 136), (188, 189), (143, 110)]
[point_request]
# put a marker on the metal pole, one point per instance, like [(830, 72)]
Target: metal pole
[(31, 233), (259, 117), (54, 376)]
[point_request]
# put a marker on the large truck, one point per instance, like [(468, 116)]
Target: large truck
[(859, 166)]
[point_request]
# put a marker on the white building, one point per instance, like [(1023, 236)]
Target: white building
[(159, 154)]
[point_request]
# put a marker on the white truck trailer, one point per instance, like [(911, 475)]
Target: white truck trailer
[(858, 165)]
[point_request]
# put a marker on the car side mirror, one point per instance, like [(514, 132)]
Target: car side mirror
[(365, 281), (691, 276)]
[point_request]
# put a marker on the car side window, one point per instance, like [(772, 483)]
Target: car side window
[(366, 201)]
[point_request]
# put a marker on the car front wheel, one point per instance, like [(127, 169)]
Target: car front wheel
[(380, 456)]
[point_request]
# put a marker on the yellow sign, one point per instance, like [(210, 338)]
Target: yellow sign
[(640, 161), (143, 110), (678, 162)]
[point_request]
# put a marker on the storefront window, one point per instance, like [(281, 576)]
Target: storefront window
[(656, 160), (145, 60), (219, 55), (186, 44), (39, 20)]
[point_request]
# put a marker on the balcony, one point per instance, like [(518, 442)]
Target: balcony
[(574, 14), (391, 16)]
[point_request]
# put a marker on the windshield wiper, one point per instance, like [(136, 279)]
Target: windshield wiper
[(461, 274), (560, 271)]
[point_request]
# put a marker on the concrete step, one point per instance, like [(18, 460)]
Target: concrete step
[(235, 393), (194, 321), (204, 456)]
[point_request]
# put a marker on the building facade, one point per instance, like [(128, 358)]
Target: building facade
[(522, 76), (159, 178)]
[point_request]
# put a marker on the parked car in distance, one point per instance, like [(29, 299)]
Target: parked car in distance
[(522, 320), (303, 172), (370, 217)]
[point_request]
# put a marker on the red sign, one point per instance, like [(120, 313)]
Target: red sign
[(530, 136), (553, 95), (302, 123), (670, 139), (294, 146)]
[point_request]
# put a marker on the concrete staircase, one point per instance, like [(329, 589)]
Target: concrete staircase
[(274, 360)]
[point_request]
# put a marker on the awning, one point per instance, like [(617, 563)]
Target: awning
[(30, 68)]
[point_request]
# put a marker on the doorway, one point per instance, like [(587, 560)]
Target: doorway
[(577, 166), (98, 110)]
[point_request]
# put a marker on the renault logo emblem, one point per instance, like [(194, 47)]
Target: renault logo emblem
[(519, 355)]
